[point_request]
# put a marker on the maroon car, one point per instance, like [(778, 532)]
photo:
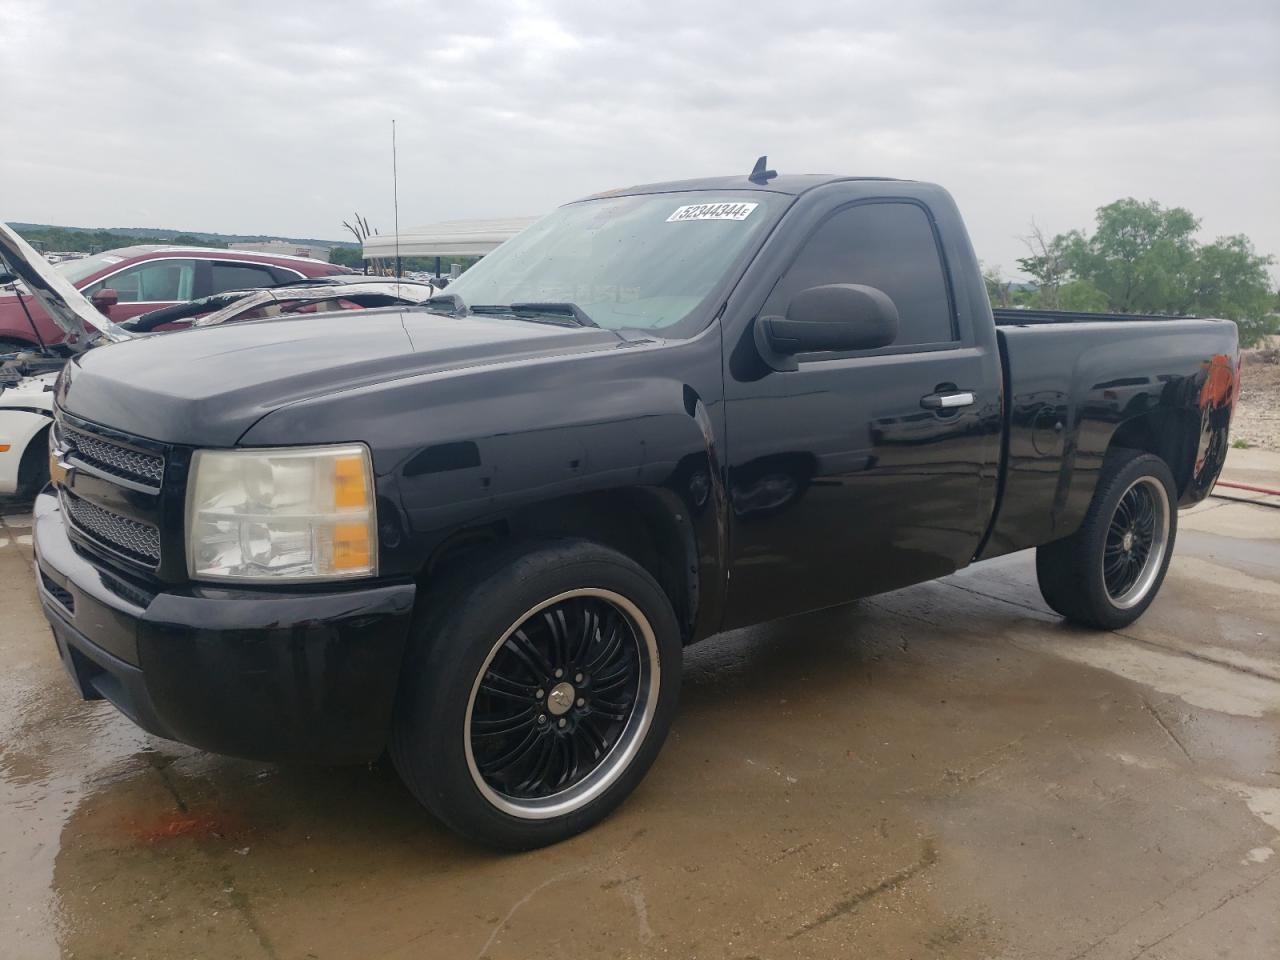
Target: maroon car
[(133, 280)]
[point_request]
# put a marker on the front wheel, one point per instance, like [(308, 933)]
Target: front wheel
[(1108, 572), (538, 693)]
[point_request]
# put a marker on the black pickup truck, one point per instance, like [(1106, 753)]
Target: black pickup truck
[(479, 532)]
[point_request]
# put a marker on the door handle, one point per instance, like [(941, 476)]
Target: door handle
[(948, 401)]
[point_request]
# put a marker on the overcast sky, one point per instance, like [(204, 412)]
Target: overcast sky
[(274, 116)]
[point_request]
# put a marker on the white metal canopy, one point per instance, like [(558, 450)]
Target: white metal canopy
[(449, 238)]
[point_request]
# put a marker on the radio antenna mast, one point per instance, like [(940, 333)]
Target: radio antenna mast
[(395, 196)]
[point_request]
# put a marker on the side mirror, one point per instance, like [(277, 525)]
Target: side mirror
[(105, 299), (835, 316)]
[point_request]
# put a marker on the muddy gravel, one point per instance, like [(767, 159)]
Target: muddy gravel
[(1257, 418)]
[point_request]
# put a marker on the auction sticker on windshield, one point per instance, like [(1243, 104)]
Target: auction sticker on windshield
[(712, 211)]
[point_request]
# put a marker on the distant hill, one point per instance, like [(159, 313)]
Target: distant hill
[(54, 237)]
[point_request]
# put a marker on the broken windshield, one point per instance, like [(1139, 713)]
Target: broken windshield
[(635, 261)]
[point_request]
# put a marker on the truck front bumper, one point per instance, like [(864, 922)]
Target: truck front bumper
[(263, 674)]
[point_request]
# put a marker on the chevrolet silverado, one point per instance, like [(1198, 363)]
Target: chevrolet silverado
[(478, 533)]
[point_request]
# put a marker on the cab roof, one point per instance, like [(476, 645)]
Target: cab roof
[(791, 184)]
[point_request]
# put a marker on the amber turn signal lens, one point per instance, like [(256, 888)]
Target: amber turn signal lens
[(349, 488), (350, 546)]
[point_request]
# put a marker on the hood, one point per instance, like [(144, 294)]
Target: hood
[(28, 393), (66, 305), (206, 387)]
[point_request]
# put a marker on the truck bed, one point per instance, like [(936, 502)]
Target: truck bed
[(1074, 382)]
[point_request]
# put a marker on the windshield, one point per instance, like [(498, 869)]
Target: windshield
[(640, 261), (77, 270)]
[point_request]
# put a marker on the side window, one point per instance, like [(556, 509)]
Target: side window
[(239, 276), (285, 276), (156, 281), (890, 246)]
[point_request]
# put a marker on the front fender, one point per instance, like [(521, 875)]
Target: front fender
[(467, 450)]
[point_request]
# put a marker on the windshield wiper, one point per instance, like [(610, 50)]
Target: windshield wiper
[(561, 313)]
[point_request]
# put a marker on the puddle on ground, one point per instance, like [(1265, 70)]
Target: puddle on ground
[(1202, 684), (1206, 573), (1227, 521), (1263, 802)]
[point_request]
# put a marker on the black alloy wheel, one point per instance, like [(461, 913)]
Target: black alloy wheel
[(1135, 541), (539, 685), (1110, 569), (558, 696)]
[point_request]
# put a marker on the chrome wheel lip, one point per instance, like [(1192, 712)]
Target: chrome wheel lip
[(621, 753), (1138, 591)]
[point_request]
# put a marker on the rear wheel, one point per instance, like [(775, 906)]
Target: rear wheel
[(539, 692), (1108, 572)]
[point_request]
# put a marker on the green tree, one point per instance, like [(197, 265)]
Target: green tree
[(1049, 264), (347, 257), (1141, 256), (1144, 258), (1230, 280), (1083, 296), (95, 241), (187, 240)]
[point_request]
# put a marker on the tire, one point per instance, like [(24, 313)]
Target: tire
[(1108, 572), (480, 688), (33, 468)]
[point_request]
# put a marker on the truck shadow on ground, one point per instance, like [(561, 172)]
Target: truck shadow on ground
[(180, 788), (170, 802)]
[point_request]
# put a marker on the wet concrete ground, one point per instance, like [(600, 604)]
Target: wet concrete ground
[(946, 771)]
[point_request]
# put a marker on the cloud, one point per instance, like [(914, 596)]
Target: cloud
[(275, 118)]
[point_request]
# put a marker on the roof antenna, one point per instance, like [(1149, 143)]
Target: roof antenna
[(395, 194), (761, 175)]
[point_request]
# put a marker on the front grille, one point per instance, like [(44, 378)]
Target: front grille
[(136, 540), (61, 594), (114, 459)]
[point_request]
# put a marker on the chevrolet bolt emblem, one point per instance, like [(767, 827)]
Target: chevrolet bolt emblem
[(560, 699)]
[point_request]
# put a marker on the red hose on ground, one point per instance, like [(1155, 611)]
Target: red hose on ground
[(1246, 486)]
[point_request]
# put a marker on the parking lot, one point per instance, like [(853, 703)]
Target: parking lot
[(945, 771)]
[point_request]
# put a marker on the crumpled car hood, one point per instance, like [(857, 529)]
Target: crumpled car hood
[(66, 305)]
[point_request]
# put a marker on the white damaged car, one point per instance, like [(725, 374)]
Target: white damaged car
[(26, 410), (26, 379)]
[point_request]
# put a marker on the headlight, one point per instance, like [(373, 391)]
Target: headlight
[(286, 513)]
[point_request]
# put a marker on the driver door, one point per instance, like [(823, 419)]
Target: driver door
[(845, 479)]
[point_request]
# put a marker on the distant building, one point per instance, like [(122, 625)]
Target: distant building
[(286, 248), (450, 238)]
